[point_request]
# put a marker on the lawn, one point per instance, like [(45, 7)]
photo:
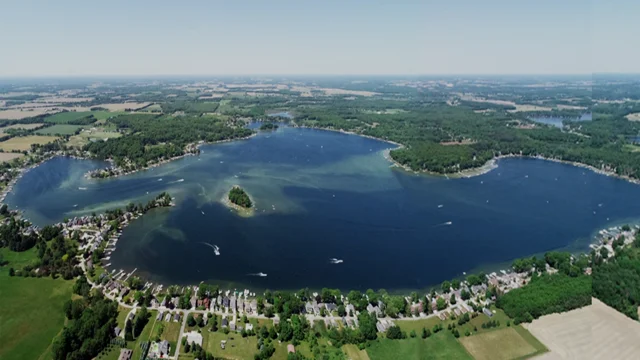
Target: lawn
[(417, 325), (442, 345), (238, 348), (145, 335), (31, 315), (122, 316), (354, 353), (24, 142), (502, 344), (59, 129), (17, 260)]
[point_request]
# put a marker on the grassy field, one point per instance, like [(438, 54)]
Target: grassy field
[(122, 316), (65, 117), (31, 315), (19, 126), (4, 157), (24, 142), (144, 336), (237, 347), (17, 260), (61, 129), (502, 344), (354, 353), (88, 135), (442, 345)]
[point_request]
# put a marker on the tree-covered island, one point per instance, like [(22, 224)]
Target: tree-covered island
[(239, 197), (268, 126)]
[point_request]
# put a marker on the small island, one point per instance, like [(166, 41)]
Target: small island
[(269, 126), (239, 197), (239, 200)]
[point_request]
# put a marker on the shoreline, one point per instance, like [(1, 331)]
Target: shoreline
[(195, 146)]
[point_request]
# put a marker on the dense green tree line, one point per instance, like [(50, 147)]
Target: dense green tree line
[(546, 294), (91, 328), (617, 281)]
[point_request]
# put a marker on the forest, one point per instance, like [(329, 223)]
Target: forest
[(546, 294), (616, 282), (151, 137), (238, 196)]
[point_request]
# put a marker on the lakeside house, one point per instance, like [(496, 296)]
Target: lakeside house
[(125, 354)]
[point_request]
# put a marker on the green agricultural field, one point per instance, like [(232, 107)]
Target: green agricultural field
[(61, 129), (238, 348), (65, 117), (354, 353), (87, 136), (442, 345), (31, 315), (503, 344)]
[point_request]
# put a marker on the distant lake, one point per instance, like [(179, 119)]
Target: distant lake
[(282, 114), (557, 121), (324, 195)]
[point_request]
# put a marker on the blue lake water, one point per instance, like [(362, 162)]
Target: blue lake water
[(323, 195)]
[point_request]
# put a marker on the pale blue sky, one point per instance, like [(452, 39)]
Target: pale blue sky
[(114, 37)]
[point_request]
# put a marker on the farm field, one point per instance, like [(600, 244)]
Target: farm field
[(442, 345), (19, 126), (502, 344), (24, 142), (65, 117), (4, 157), (592, 332), (31, 315), (60, 129)]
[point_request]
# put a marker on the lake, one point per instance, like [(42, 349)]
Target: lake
[(324, 195), (557, 121)]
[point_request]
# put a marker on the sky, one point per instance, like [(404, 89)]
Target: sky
[(206, 37)]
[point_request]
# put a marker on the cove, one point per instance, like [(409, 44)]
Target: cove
[(324, 195)]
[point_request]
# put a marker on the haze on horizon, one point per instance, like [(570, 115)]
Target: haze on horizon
[(79, 38)]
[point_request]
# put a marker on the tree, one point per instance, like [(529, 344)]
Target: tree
[(446, 286), (426, 333), (341, 311), (200, 320), (12, 272), (453, 299), (286, 331), (455, 284), (394, 332), (465, 295), (412, 333), (441, 304), (128, 331), (191, 322), (141, 319)]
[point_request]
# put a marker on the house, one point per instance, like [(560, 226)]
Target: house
[(308, 308), (117, 331), (225, 322), (225, 302), (193, 301), (249, 326), (167, 317), (159, 316), (291, 349), (331, 307), (232, 325), (223, 343), (240, 305), (276, 320), (350, 309), (194, 337), (164, 347), (219, 300), (130, 316), (254, 306), (232, 303), (125, 354), (176, 317), (487, 312)]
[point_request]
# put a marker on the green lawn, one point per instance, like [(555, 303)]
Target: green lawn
[(65, 117), (442, 345), (354, 353), (122, 316), (31, 315), (17, 260), (59, 129), (238, 348)]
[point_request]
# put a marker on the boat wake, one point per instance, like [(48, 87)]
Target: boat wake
[(177, 181), (260, 274), (82, 188), (445, 223), (336, 261), (440, 206), (160, 179), (215, 248)]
